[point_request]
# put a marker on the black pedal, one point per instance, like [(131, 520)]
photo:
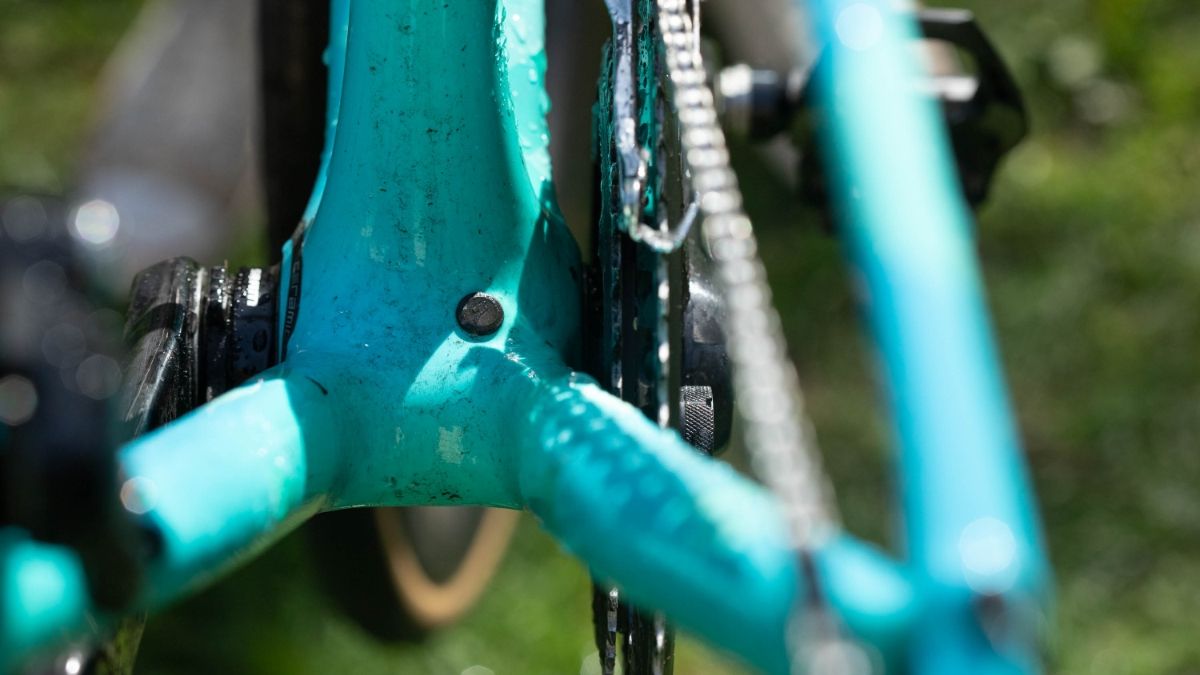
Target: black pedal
[(59, 377), (983, 107)]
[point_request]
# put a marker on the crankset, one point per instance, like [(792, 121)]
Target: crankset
[(653, 322), (662, 166)]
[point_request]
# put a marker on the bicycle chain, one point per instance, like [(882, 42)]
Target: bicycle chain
[(778, 434)]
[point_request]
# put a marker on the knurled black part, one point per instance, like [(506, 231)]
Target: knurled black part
[(698, 424)]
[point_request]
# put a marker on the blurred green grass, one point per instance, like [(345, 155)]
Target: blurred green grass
[(1091, 249), (50, 56)]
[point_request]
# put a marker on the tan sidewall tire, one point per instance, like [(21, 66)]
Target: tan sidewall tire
[(435, 604)]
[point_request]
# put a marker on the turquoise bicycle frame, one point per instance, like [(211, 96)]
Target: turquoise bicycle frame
[(436, 183)]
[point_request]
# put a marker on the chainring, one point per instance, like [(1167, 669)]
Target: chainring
[(632, 287)]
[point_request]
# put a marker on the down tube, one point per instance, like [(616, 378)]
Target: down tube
[(970, 525)]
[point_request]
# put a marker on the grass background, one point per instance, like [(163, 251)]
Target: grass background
[(1091, 249)]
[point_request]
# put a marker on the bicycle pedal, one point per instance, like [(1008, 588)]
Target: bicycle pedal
[(982, 105)]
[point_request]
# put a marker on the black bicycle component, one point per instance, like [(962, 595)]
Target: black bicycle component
[(163, 333), (985, 111), (625, 311), (479, 314), (194, 333), (705, 408), (59, 368), (759, 104), (652, 319), (293, 35), (59, 374), (703, 414)]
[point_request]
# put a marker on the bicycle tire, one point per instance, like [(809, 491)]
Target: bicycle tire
[(363, 555)]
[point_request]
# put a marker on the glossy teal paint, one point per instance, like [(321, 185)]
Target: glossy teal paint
[(970, 526), (229, 477), (432, 192), (43, 598), (436, 183), (437, 188), (687, 535), (335, 59)]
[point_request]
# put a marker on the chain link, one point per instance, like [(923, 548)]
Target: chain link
[(779, 436)]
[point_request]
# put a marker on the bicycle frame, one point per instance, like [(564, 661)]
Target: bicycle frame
[(436, 183)]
